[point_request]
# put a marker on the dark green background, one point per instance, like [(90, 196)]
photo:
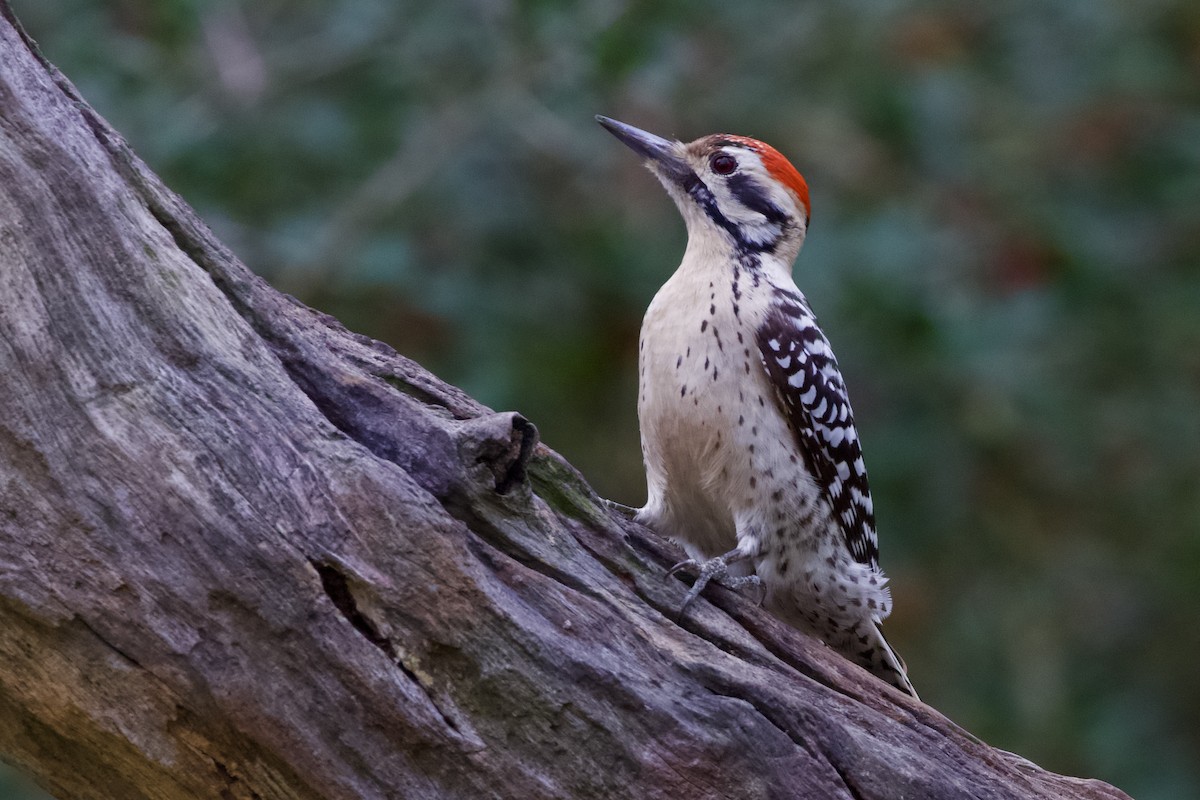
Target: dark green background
[(1005, 251)]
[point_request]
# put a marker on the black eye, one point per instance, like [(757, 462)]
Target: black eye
[(723, 164)]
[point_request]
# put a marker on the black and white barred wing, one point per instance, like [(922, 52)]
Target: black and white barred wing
[(812, 394)]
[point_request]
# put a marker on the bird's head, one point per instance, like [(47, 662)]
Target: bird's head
[(729, 186)]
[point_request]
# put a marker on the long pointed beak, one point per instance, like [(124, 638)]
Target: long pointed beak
[(661, 154)]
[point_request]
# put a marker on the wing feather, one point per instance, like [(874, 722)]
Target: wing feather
[(812, 394)]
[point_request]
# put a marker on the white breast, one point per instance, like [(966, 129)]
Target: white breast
[(708, 419)]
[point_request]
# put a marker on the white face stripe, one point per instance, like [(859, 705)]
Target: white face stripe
[(755, 226)]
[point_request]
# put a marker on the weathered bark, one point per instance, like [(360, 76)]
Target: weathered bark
[(245, 553)]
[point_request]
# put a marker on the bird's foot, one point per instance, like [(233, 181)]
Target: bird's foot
[(628, 512), (717, 567)]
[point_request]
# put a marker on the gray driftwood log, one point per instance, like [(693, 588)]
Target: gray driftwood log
[(245, 553)]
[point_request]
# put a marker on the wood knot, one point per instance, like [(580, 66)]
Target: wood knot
[(502, 443)]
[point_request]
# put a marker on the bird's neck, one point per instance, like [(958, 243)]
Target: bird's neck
[(711, 255)]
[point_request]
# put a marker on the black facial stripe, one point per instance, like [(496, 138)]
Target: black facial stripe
[(751, 195), (704, 198)]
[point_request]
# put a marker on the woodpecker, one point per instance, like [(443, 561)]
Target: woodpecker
[(753, 463)]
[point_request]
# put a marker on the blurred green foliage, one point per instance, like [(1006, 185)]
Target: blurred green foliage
[(14, 786), (1005, 251)]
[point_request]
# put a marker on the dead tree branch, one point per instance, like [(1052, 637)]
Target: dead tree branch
[(245, 553)]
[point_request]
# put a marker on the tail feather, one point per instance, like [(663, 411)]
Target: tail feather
[(860, 641), (880, 659)]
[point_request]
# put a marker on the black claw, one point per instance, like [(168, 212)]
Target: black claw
[(685, 563), (695, 591), (628, 512), (717, 567)]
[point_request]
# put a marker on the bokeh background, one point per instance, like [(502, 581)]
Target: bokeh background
[(1005, 251)]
